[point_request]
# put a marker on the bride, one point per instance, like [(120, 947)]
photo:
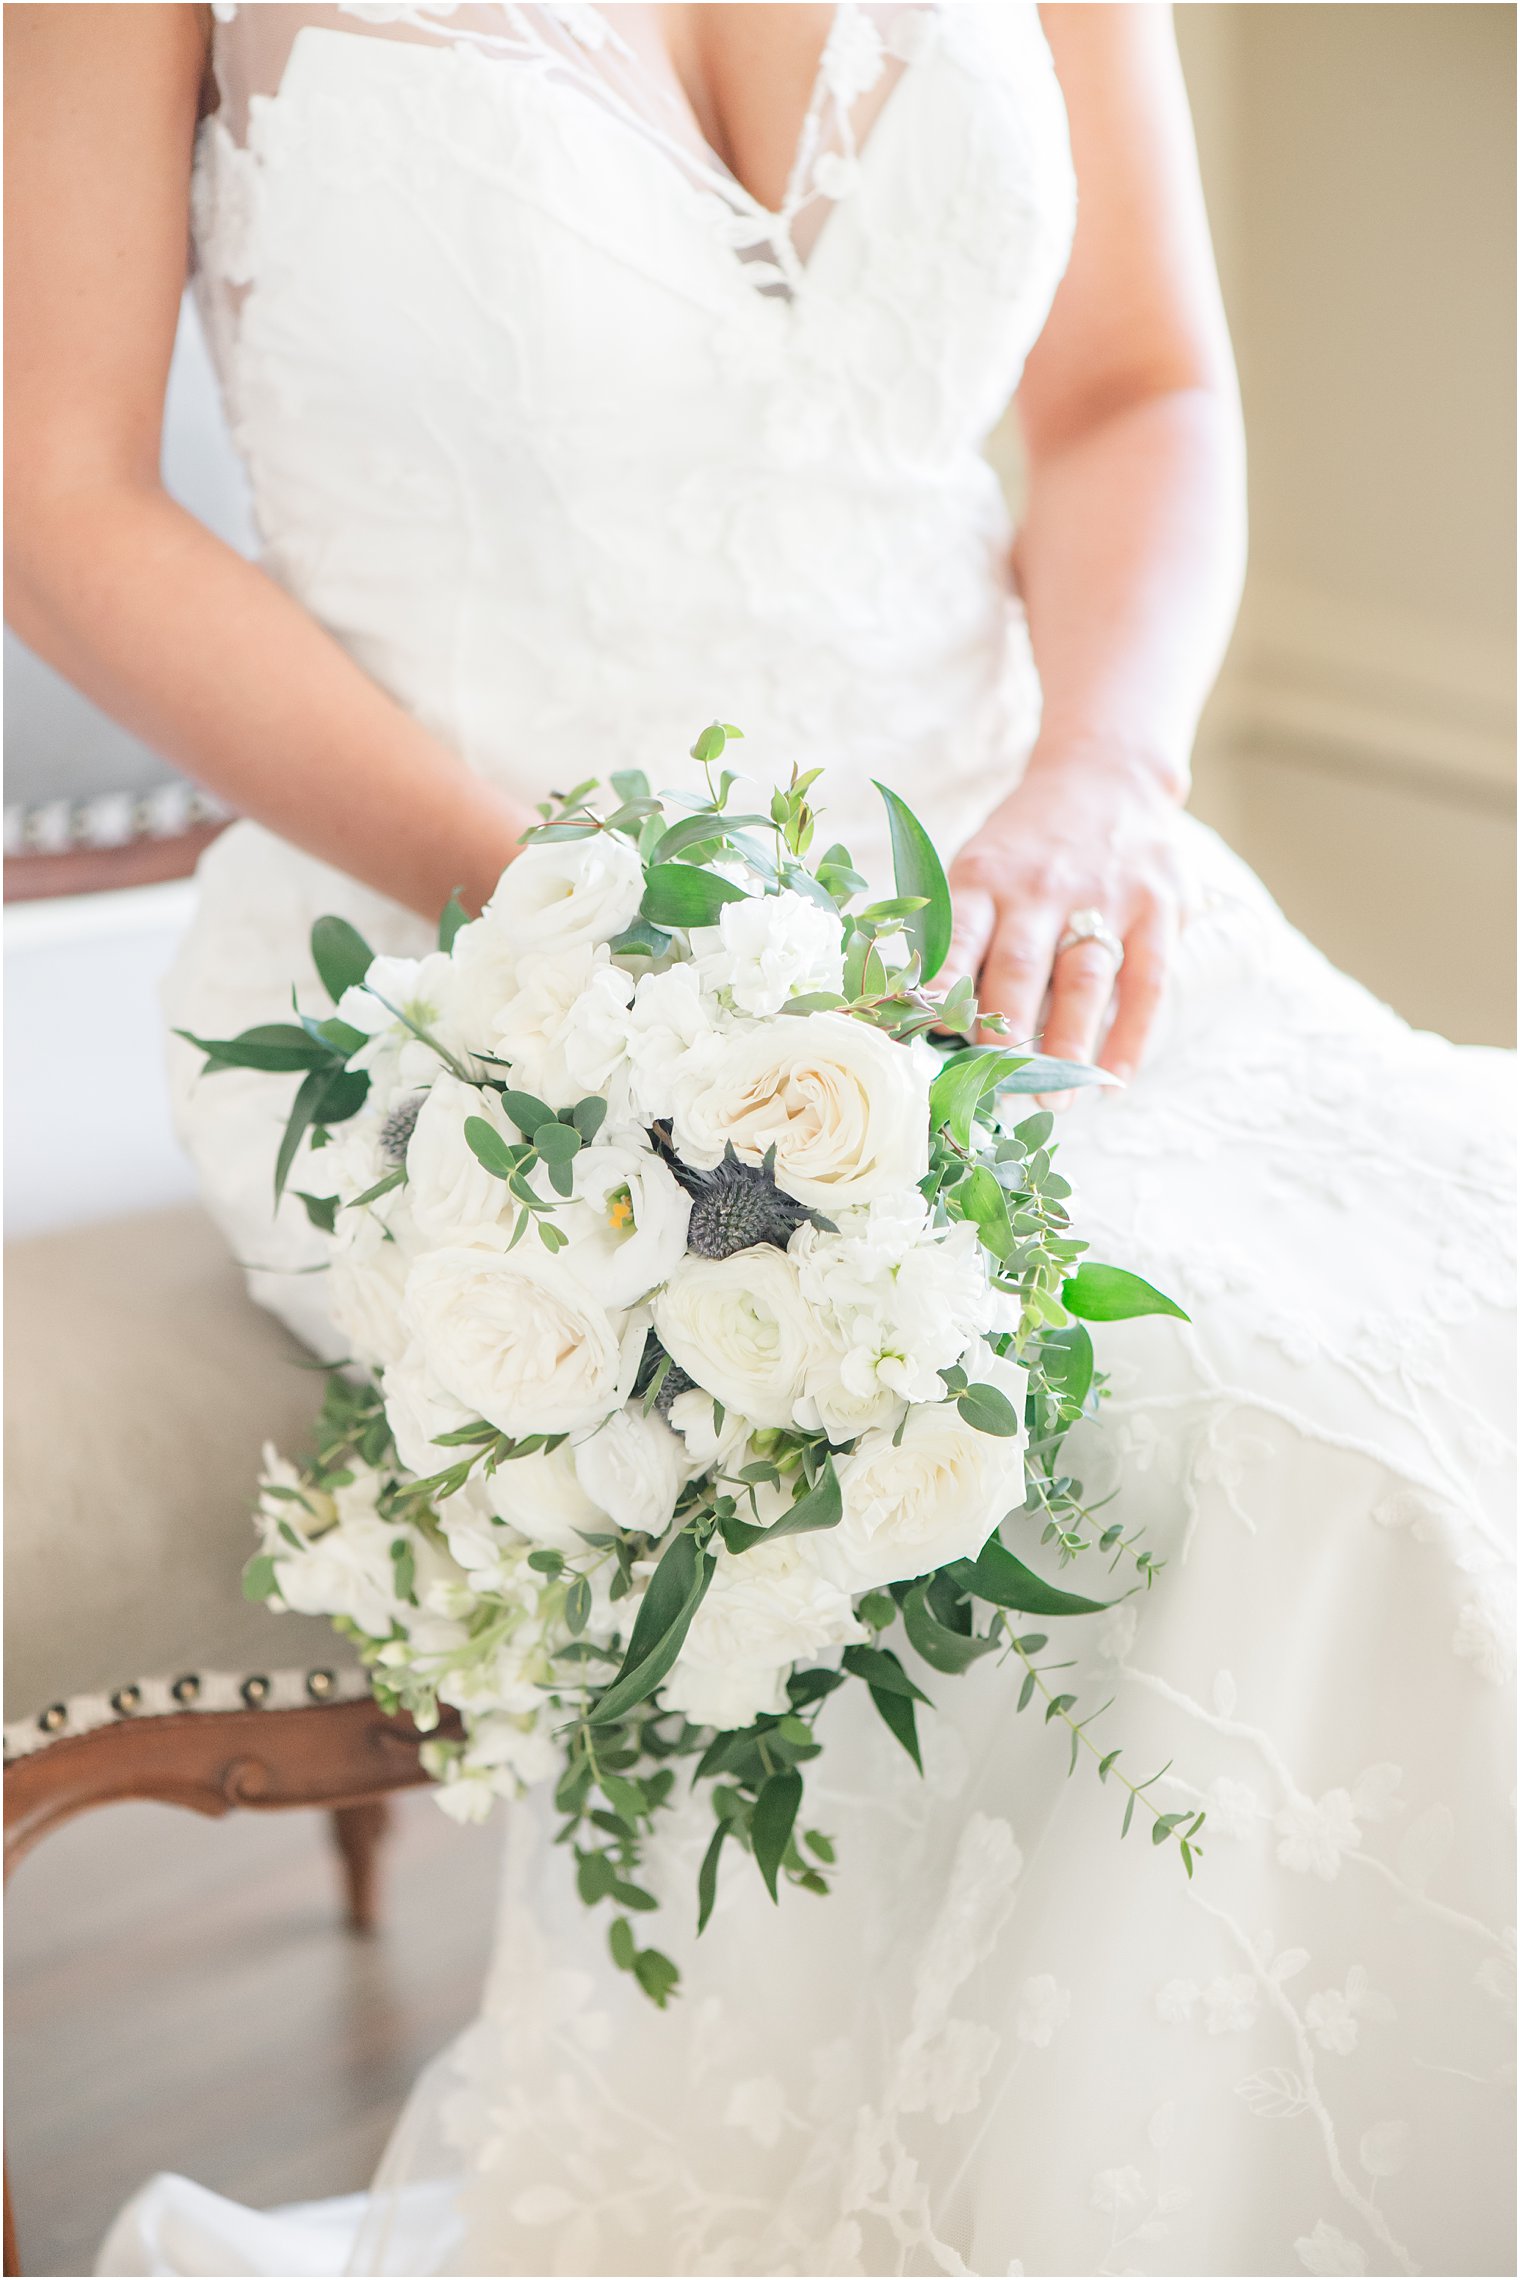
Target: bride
[(601, 370)]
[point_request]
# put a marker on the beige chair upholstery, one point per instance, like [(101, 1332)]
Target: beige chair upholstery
[(141, 1383)]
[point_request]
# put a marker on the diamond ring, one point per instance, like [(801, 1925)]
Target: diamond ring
[(1091, 926)]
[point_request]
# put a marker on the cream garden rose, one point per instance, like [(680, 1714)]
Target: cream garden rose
[(517, 1341), (740, 1327), (844, 1106)]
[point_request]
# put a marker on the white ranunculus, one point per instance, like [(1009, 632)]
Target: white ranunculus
[(452, 1195), (932, 1495), (845, 1108), (741, 1327), (348, 1571), (569, 895), (631, 1467), (543, 1500), (563, 1028), (672, 1041), (519, 1341), (366, 1288), (764, 1610), (626, 1222), (769, 948), (418, 1409), (902, 1299)]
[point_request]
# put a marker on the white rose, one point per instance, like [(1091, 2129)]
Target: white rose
[(451, 1194), (845, 1108), (764, 1611), (519, 1341), (568, 895), (366, 1288), (932, 1495), (741, 1327), (631, 1468), (563, 1028), (418, 1409), (348, 1571), (769, 948), (672, 1042), (627, 1221), (543, 1500)]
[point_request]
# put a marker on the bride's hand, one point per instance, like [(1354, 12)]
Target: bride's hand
[(1082, 831)]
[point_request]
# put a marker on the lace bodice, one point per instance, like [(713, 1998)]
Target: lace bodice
[(426, 237)]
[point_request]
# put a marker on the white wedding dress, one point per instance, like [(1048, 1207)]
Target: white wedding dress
[(573, 446)]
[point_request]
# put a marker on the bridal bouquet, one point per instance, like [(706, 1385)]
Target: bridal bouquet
[(714, 1324)]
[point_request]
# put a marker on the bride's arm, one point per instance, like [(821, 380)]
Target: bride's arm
[(162, 625), (1129, 556)]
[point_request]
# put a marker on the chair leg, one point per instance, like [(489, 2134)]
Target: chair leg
[(357, 1832), (12, 2256)]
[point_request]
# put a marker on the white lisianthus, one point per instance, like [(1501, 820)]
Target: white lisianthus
[(564, 1028), (903, 1300), (568, 895), (845, 1107), (518, 1341), (741, 1328), (397, 997), (632, 1468), (452, 1195), (418, 1409), (672, 1041), (626, 1222), (366, 1289), (764, 1610), (769, 948), (934, 1492)]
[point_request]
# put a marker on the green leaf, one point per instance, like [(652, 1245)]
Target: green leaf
[(878, 1610), (259, 1578), (771, 1823), (630, 783), (901, 1718), (882, 1672), (1112, 1294), (381, 1187), (526, 1110), (709, 745), (621, 1941), (321, 1210), (678, 894), (918, 872), (821, 1507), (995, 1575), (310, 1093), (577, 1616), (557, 1143), (1068, 1359), (588, 1116), (277, 1046), (696, 830), (960, 1085), (707, 1878), (989, 1410), (1038, 1074), (454, 916), (641, 940), (488, 1148), (657, 1975), (340, 954), (945, 1650), (675, 1593)]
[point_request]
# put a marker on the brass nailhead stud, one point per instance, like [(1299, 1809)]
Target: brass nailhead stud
[(320, 1684), (254, 1691), (54, 1718), (126, 1699), (187, 1689)]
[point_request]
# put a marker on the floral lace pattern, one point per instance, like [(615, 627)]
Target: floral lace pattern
[(561, 471)]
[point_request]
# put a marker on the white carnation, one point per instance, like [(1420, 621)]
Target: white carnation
[(568, 895), (769, 948), (632, 1468), (672, 1041), (564, 1029), (520, 1342), (764, 1610), (741, 1327), (845, 1108)]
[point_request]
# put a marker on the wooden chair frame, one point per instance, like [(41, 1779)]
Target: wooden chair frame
[(346, 1757)]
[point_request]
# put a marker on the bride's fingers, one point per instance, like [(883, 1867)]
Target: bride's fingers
[(974, 915), (1081, 986), (1142, 985), (1018, 968)]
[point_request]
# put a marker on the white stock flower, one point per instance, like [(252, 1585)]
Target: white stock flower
[(366, 1288), (632, 1469), (741, 1328), (769, 948), (627, 1221), (844, 1106), (518, 1341), (451, 1194), (517, 1747), (932, 1495), (563, 1029), (347, 1571), (765, 1610), (902, 1299), (671, 1040), (568, 895)]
